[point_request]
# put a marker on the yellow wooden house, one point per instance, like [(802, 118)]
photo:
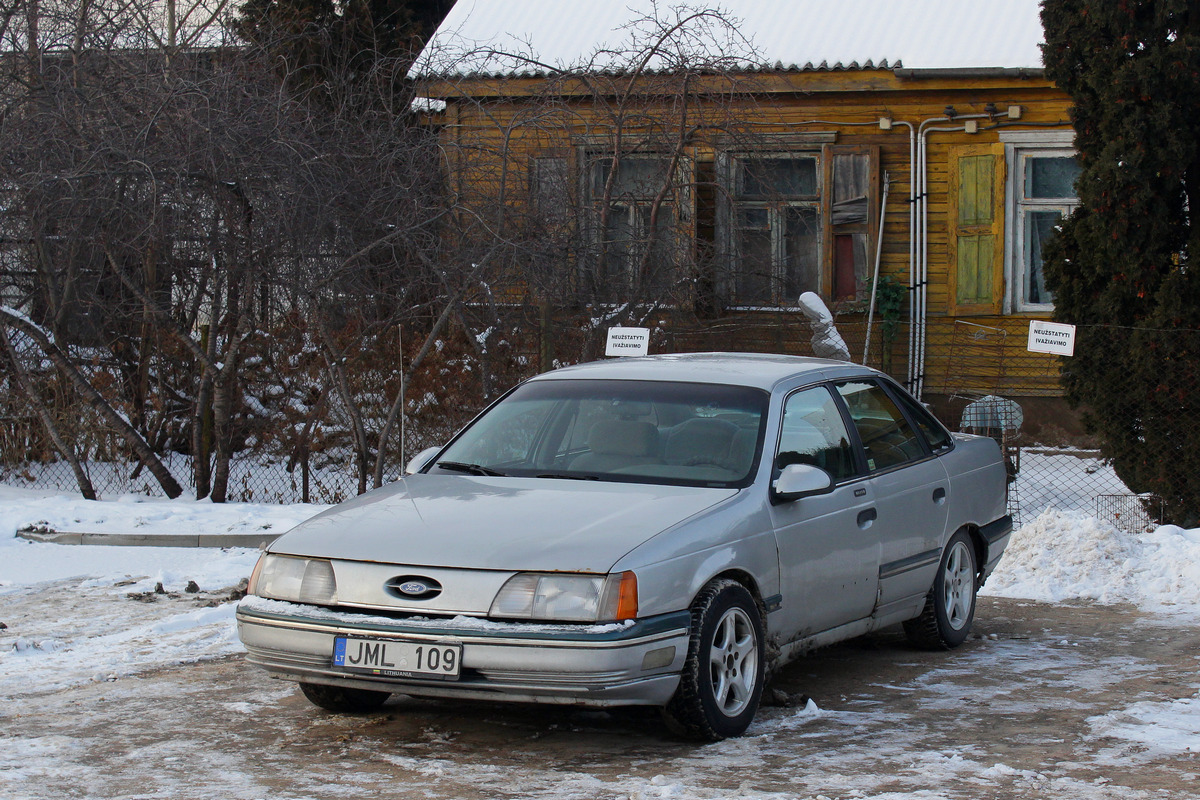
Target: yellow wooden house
[(720, 159)]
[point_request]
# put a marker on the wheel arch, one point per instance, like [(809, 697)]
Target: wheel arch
[(747, 581), (979, 545)]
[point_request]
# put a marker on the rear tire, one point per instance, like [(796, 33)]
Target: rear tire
[(723, 675), (342, 700), (949, 609)]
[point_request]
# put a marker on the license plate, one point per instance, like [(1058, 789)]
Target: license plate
[(393, 658)]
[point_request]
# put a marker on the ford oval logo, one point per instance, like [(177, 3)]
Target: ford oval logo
[(413, 587)]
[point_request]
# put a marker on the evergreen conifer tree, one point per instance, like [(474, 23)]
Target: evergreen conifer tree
[(1121, 267), (313, 40)]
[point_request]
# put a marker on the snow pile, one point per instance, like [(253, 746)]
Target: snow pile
[(41, 510), (1072, 556), (138, 569), (76, 614)]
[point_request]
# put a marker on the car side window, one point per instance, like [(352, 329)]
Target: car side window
[(938, 437), (814, 433), (886, 435)]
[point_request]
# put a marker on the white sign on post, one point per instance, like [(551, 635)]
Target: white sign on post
[(1051, 337), (628, 342)]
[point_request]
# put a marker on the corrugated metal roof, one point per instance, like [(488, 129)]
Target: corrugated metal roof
[(534, 37)]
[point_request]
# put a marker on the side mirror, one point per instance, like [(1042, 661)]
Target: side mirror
[(800, 480), (422, 458)]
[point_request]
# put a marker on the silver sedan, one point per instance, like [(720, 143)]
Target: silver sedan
[(659, 531)]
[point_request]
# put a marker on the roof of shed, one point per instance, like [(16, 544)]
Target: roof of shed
[(537, 37)]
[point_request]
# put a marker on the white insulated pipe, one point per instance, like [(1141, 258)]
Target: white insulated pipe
[(921, 290), (878, 257)]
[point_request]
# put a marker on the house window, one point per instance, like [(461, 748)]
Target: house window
[(794, 222), (1040, 192), (1045, 194), (634, 220), (776, 227)]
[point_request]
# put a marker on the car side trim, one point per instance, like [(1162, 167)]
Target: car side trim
[(894, 568), (994, 531)]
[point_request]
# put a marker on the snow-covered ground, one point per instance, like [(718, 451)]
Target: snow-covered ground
[(81, 637), (115, 622)]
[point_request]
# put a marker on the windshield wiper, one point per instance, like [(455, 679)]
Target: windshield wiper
[(470, 469), (573, 476)]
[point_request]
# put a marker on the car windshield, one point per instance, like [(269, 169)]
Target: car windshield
[(687, 434)]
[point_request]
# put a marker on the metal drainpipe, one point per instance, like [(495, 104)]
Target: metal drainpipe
[(921, 290)]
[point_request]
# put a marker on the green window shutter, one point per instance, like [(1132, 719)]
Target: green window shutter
[(975, 256), (976, 228), (975, 180)]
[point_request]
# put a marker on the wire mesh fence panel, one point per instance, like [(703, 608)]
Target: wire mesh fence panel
[(1131, 512), (322, 478)]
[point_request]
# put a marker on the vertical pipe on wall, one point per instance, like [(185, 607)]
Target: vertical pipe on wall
[(918, 320), (878, 256)]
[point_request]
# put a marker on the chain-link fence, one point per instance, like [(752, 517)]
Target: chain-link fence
[(328, 476), (977, 378)]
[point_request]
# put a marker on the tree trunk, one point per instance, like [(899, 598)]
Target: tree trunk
[(222, 407), (22, 380), (88, 392), (334, 360), (398, 403), (202, 425), (222, 413)]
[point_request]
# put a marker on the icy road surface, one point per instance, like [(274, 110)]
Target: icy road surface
[(1049, 701)]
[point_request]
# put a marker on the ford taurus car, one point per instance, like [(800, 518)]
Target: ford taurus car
[(660, 531)]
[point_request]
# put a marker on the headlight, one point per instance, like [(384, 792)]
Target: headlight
[(567, 598), (298, 580)]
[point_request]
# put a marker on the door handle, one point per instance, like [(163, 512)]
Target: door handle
[(939, 495), (866, 517)]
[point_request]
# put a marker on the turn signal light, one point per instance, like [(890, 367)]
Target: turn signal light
[(627, 597)]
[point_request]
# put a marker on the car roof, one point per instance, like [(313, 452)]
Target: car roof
[(760, 370)]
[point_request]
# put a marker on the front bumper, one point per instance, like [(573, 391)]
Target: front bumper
[(596, 665)]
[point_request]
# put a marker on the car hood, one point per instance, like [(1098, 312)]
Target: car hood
[(511, 524)]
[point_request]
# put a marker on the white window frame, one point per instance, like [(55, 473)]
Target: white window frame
[(1019, 147)]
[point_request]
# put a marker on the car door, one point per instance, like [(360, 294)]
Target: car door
[(828, 548), (910, 489)]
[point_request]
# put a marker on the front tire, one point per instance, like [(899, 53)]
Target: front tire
[(341, 700), (723, 675), (949, 609)]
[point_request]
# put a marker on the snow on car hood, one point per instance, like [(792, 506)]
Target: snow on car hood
[(534, 524)]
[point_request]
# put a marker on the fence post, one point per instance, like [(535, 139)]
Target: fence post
[(304, 474)]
